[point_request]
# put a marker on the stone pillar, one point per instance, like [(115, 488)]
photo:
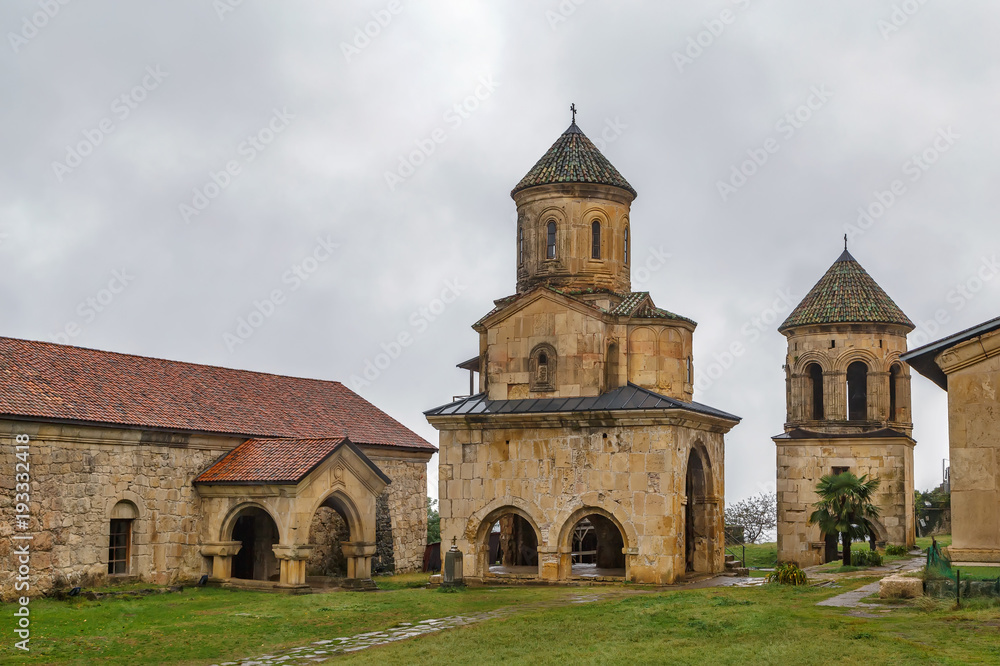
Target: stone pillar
[(293, 560), (835, 396), (878, 396), (221, 553), (359, 558), (551, 563), (800, 399)]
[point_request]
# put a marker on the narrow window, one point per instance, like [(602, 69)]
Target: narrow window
[(542, 372), (595, 240), (857, 391), (816, 381), (120, 546), (550, 246), (894, 373), (626, 246), (542, 368), (840, 470), (520, 245)]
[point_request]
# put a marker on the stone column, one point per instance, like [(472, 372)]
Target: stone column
[(359, 558), (221, 553), (293, 560), (878, 396), (550, 563), (835, 396)]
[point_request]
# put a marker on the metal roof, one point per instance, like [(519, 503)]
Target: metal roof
[(921, 359), (799, 433), (630, 397)]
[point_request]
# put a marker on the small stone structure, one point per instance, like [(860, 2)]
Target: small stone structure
[(583, 447), (899, 586), (967, 365), (848, 409)]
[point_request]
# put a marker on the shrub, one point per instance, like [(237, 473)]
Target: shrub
[(787, 573), (864, 557), (895, 550)]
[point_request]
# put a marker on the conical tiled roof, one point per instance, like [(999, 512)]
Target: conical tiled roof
[(846, 294), (573, 158)]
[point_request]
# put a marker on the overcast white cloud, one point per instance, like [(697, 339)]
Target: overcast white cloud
[(287, 135)]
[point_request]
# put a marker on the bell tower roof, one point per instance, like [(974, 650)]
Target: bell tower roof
[(846, 294), (573, 158)]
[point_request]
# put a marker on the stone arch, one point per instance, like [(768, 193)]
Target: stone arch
[(810, 357), (480, 525), (226, 530), (843, 361), (255, 559), (597, 214), (701, 537), (125, 496), (342, 503), (584, 508), (557, 215)]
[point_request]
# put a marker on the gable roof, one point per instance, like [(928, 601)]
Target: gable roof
[(846, 294), (278, 461), (629, 397), (573, 158), (48, 381)]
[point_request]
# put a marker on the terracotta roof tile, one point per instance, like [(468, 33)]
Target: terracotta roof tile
[(573, 158), (49, 381), (846, 294), (275, 461)]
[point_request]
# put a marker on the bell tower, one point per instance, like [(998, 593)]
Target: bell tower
[(573, 219), (848, 408)]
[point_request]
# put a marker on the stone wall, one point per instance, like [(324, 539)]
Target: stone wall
[(801, 463), (327, 531), (554, 473), (78, 474), (407, 504)]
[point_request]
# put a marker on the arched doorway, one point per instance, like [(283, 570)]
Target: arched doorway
[(257, 532), (698, 520), (327, 531), (598, 548), (510, 545)]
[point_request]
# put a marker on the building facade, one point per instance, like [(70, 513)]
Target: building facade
[(582, 455), (161, 471), (848, 409), (967, 366)]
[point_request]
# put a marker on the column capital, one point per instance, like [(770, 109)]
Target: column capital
[(221, 548), (357, 548), (293, 551)]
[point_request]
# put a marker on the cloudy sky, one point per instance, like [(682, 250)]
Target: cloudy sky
[(287, 187)]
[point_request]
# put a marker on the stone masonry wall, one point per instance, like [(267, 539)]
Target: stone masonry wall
[(407, 495), (77, 476)]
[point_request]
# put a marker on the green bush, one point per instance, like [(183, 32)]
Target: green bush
[(864, 557), (787, 573), (895, 550)]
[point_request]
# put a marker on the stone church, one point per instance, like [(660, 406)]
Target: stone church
[(162, 471), (582, 454), (848, 408)]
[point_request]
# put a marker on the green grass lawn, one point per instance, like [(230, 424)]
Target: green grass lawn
[(770, 624), (757, 554)]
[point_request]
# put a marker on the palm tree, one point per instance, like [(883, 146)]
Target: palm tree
[(846, 507)]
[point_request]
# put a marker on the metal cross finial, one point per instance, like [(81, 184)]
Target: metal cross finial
[(572, 108), (845, 242)]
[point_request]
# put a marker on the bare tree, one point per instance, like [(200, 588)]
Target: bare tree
[(756, 514)]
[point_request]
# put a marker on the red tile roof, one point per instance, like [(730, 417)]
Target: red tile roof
[(49, 381), (275, 461)]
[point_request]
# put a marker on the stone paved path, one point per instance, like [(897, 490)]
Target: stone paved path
[(320, 651), (853, 598)]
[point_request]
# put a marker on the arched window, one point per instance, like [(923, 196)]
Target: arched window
[(625, 255), (894, 372), (688, 370), (595, 240), (542, 366), (816, 384), (120, 539), (857, 391), (520, 245), (550, 243)]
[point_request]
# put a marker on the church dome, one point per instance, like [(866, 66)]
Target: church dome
[(846, 294), (573, 158)]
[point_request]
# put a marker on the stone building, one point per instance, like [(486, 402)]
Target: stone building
[(164, 471), (848, 408), (967, 366), (582, 454)]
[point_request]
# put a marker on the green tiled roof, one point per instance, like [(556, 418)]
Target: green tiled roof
[(573, 158), (846, 294)]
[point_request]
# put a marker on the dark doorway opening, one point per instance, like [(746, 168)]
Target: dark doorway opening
[(598, 548), (513, 546), (256, 530)]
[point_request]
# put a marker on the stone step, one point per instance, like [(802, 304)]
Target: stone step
[(730, 557), (734, 564)]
